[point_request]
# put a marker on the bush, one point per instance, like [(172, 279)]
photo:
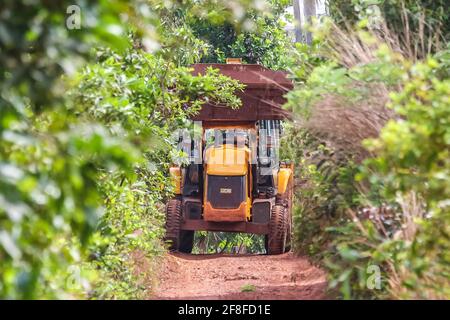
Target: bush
[(322, 193), (119, 93), (389, 204), (404, 168), (49, 202)]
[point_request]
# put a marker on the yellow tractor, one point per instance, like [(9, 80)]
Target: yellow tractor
[(234, 181)]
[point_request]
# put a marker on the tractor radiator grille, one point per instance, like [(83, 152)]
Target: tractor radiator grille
[(226, 192)]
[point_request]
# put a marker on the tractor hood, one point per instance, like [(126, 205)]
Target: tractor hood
[(227, 160)]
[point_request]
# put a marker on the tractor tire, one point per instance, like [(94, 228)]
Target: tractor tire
[(180, 240), (276, 239)]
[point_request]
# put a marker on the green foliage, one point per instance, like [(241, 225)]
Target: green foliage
[(327, 78), (367, 252), (49, 195), (403, 167), (225, 242), (128, 243), (140, 96), (143, 92), (262, 38), (269, 45), (36, 48), (306, 58), (48, 159), (423, 106), (324, 191)]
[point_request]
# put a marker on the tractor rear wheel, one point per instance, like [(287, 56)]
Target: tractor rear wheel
[(180, 240), (276, 239)]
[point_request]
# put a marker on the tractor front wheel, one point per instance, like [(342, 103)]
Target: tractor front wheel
[(180, 240), (276, 239)]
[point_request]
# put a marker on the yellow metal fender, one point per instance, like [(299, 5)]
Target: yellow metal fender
[(284, 175), (175, 177)]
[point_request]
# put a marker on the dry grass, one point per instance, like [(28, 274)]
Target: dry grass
[(346, 46), (343, 127), (341, 123)]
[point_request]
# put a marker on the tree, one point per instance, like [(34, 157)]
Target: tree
[(262, 39)]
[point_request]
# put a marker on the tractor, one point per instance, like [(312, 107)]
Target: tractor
[(234, 181)]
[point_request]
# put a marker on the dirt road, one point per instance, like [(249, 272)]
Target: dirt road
[(284, 276)]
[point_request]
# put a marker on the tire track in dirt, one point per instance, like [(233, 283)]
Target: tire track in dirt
[(276, 277)]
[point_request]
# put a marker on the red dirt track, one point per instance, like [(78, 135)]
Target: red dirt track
[(279, 277)]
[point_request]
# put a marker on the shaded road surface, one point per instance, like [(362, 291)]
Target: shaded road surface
[(284, 276)]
